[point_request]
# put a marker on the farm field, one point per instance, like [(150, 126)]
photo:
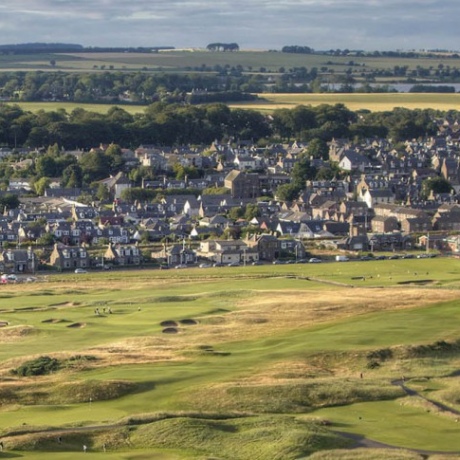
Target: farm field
[(269, 102), (267, 362), (70, 106), (377, 102), (183, 60)]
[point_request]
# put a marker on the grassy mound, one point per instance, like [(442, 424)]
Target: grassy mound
[(295, 397), (254, 437), (43, 393)]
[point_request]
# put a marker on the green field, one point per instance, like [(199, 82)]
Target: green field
[(266, 362), (69, 106)]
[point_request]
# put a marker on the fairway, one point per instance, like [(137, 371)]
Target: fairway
[(268, 362)]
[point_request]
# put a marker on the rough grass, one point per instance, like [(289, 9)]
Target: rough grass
[(40, 392), (291, 396), (239, 439), (368, 454)]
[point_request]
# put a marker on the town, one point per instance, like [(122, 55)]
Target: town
[(373, 198)]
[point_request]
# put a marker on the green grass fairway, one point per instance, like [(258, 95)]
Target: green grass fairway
[(266, 362)]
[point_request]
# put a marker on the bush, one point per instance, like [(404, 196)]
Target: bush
[(43, 365)]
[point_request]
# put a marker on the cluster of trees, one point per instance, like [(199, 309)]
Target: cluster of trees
[(161, 123), (73, 173), (297, 49), (106, 86), (432, 89), (223, 47)]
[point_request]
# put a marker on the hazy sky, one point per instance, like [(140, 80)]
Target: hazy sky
[(261, 24)]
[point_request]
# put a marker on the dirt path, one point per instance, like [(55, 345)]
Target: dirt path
[(442, 407)]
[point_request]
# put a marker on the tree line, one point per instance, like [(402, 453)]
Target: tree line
[(55, 133), (222, 83)]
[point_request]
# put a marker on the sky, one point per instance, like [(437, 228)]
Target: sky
[(253, 24)]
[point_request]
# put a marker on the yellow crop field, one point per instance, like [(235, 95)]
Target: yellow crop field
[(373, 102)]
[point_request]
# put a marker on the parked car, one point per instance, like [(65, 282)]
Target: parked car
[(80, 270), (314, 260), (234, 264), (204, 265), (180, 266)]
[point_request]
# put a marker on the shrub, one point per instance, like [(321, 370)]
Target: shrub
[(41, 366)]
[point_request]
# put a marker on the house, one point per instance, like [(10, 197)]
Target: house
[(352, 160), (65, 257), (123, 255), (446, 221), (268, 246), (228, 251), (384, 224), (18, 261), (434, 241), (242, 185), (176, 254), (116, 184), (416, 225), (374, 197)]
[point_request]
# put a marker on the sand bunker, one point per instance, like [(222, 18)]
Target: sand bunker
[(170, 330), (76, 325), (188, 322), (169, 323)]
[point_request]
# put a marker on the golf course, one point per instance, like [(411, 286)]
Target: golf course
[(335, 360)]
